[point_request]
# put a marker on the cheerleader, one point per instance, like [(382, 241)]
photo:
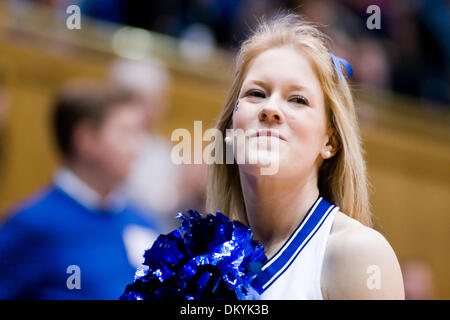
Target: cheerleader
[(312, 215)]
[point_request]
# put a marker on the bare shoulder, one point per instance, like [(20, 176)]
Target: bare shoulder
[(349, 236), (359, 263)]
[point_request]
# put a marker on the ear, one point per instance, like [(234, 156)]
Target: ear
[(84, 140), (331, 144)]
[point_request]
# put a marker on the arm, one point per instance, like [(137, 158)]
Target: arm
[(360, 264)]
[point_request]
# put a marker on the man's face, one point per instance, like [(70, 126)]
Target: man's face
[(155, 104), (117, 142)]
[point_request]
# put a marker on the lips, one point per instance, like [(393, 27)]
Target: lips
[(267, 133)]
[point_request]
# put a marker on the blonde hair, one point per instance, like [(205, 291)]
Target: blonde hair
[(342, 178)]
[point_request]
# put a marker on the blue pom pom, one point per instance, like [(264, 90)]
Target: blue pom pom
[(208, 258)]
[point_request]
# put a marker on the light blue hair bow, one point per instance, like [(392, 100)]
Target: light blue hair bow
[(338, 62)]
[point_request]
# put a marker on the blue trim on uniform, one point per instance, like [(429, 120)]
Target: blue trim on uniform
[(287, 254)]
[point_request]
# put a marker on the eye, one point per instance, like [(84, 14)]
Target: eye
[(300, 100), (255, 93)]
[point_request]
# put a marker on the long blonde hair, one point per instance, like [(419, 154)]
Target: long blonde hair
[(342, 178)]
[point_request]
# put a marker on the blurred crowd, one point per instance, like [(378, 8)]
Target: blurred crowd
[(409, 54), (116, 187)]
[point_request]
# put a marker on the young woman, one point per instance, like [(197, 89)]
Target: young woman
[(312, 215)]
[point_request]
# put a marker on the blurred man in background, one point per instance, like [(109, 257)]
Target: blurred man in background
[(154, 181), (80, 238)]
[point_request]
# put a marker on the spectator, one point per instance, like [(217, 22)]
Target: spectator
[(154, 180), (81, 218)]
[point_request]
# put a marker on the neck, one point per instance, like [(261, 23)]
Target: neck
[(94, 178), (275, 207)]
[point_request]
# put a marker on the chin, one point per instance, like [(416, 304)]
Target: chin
[(262, 163)]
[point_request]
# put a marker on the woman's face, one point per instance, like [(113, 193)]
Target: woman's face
[(282, 93)]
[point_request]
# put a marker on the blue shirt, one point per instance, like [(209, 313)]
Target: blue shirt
[(53, 231)]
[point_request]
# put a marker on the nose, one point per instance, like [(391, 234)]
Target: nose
[(270, 115)]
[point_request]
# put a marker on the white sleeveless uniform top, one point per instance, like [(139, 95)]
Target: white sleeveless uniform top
[(294, 272)]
